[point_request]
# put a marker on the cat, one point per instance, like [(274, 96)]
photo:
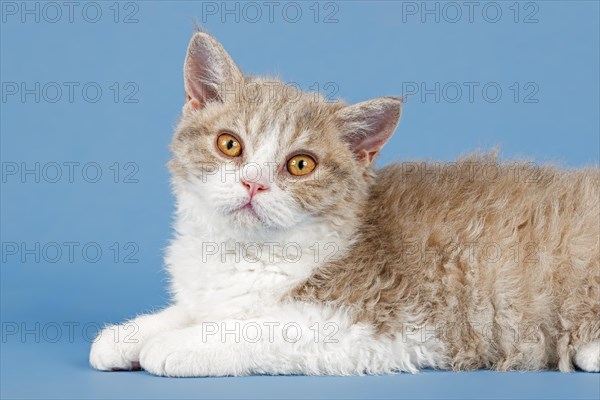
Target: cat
[(293, 254)]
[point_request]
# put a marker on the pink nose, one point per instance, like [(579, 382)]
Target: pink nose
[(254, 187)]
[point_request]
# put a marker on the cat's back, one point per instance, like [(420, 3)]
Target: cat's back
[(479, 188), (478, 196), (490, 216)]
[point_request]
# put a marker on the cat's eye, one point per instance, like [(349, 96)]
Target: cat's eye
[(301, 164), (229, 145)]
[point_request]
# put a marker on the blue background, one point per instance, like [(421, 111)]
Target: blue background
[(374, 49)]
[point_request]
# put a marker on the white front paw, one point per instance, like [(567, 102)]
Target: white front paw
[(110, 354), (166, 355)]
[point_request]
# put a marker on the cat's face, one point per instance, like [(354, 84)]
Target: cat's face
[(264, 155)]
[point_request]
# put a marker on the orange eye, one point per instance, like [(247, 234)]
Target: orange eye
[(229, 145), (301, 165)]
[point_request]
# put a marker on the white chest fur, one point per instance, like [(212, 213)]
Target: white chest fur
[(218, 271)]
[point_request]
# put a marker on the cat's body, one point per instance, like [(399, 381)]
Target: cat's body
[(500, 260), (346, 269)]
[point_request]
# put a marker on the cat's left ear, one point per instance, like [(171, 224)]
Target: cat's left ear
[(367, 126), (208, 72)]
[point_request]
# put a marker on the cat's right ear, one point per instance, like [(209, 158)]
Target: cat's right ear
[(208, 71)]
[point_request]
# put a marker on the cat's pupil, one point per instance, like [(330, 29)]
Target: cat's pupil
[(301, 164), (230, 144)]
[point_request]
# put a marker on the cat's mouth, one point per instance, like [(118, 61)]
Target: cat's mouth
[(251, 214), (248, 210)]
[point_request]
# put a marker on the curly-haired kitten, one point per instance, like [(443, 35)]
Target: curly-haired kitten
[(294, 255)]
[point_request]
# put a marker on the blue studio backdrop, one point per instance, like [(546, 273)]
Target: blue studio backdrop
[(91, 92)]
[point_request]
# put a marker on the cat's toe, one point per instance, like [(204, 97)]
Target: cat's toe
[(133, 366), (587, 357), (165, 356), (154, 355), (106, 355)]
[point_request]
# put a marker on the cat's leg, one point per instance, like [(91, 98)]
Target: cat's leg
[(117, 347), (194, 351), (587, 356), (280, 345)]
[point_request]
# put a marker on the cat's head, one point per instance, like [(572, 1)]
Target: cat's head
[(265, 155)]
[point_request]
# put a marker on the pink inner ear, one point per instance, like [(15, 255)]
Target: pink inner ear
[(194, 104), (369, 125), (195, 90), (207, 68), (367, 157), (371, 142)]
